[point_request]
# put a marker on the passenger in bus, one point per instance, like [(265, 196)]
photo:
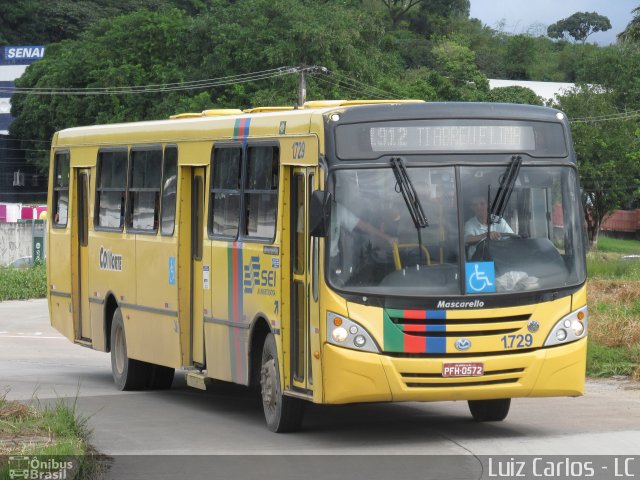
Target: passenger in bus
[(475, 229), (343, 220)]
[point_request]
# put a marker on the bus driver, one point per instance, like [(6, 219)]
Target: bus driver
[(475, 229)]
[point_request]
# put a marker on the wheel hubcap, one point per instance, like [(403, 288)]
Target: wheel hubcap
[(268, 385), (120, 354)]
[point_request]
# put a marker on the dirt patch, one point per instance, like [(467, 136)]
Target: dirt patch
[(614, 312), (14, 411), (12, 444)]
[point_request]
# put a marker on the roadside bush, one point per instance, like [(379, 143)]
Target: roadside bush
[(23, 283)]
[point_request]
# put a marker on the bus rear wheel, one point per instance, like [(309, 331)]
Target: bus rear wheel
[(128, 374), (489, 410), (282, 413)]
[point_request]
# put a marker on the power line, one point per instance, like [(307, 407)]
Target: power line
[(608, 118), (354, 86), (369, 87), (166, 87), (14, 139), (24, 149), (354, 91)]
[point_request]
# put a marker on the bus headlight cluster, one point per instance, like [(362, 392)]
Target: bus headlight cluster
[(344, 332), (569, 329)]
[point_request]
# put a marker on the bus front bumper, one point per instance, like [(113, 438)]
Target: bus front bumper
[(351, 376)]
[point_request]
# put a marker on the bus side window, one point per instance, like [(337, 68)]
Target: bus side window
[(224, 213), (61, 189), (169, 185), (111, 189), (144, 189), (261, 192)]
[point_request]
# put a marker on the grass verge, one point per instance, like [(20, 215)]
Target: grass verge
[(23, 283), (48, 433), (613, 293), (618, 245)]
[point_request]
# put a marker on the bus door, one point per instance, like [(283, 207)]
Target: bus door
[(80, 236), (300, 314), (197, 277)]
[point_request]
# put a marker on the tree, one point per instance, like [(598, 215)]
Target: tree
[(398, 9), (519, 55), (579, 26), (514, 94), (456, 76), (441, 18), (607, 151), (631, 34), (47, 21), (145, 48)]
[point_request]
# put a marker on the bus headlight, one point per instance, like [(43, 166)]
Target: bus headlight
[(339, 334), (344, 332), (569, 329)]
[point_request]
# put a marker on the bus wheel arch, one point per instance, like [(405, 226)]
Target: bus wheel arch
[(110, 307), (259, 330), (128, 374)]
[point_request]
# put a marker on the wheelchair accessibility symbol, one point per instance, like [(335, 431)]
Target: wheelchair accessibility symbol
[(481, 277)]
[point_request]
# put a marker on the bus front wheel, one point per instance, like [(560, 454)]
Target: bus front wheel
[(282, 413), (489, 410), (128, 374)]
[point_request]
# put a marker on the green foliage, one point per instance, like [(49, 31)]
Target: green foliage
[(606, 151), (439, 18), (603, 266), (458, 76), (579, 26), (48, 21), (615, 68), (23, 283), (619, 245), (170, 46), (603, 361), (65, 430), (514, 94), (631, 34)]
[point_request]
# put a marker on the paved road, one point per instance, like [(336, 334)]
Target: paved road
[(35, 361)]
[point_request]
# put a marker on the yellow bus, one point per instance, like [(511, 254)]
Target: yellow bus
[(340, 252)]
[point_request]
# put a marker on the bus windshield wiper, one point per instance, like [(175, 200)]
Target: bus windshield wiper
[(409, 193), (499, 204), (507, 182)]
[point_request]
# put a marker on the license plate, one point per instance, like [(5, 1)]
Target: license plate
[(462, 369)]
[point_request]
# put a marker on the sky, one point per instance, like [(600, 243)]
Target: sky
[(534, 16)]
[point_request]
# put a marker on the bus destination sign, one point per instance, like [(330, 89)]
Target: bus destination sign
[(454, 137)]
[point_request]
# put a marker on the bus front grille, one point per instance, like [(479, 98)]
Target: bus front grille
[(436, 380), (469, 327)]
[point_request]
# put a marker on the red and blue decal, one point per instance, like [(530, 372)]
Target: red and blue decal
[(412, 334), (241, 130), (237, 346)]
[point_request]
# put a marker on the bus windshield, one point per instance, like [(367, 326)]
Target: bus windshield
[(375, 247)]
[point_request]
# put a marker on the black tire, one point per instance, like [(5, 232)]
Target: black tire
[(128, 374), (489, 410), (282, 413), (161, 377)]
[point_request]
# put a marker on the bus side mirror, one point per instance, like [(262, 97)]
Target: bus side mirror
[(319, 212)]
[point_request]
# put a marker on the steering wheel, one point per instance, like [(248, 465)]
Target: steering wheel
[(478, 254)]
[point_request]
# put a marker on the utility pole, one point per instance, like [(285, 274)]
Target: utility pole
[(302, 83), (302, 87)]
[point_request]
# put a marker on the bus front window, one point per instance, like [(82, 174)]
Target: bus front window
[(376, 247), (536, 242)]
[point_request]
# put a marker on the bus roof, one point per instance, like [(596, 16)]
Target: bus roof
[(268, 121)]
